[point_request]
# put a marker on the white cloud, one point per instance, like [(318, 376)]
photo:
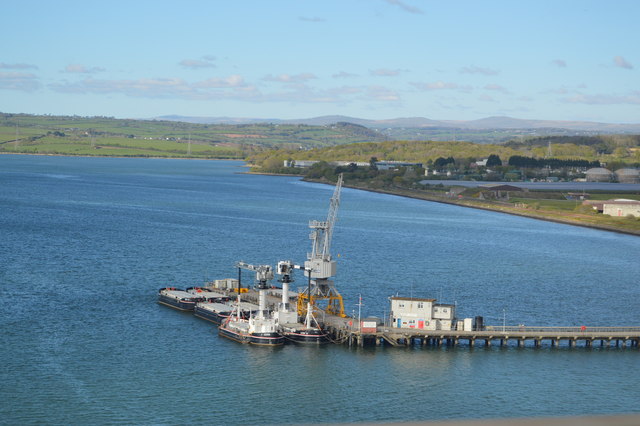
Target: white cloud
[(478, 70), (288, 78), (402, 5), (380, 93), (21, 66), (384, 72), (81, 69), (441, 85), (496, 88), (560, 63), (620, 62), (633, 98), (145, 87), (234, 80), (21, 81), (232, 87), (344, 74), (198, 63)]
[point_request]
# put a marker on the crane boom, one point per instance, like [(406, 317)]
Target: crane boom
[(264, 273)]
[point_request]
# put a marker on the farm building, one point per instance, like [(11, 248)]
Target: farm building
[(498, 191)]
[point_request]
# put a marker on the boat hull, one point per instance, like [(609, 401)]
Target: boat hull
[(181, 305), (305, 338), (207, 315), (260, 339)]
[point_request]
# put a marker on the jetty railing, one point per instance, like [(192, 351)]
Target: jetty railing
[(536, 329)]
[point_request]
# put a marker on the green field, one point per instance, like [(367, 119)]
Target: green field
[(104, 136)]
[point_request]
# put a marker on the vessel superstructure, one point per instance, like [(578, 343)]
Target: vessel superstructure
[(262, 327)]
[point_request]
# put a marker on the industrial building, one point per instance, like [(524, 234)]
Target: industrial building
[(599, 174), (628, 175), (393, 165), (304, 164)]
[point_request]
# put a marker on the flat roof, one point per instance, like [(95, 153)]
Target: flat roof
[(411, 298)]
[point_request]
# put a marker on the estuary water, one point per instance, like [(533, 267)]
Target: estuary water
[(85, 243)]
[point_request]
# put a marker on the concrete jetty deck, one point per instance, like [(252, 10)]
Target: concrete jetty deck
[(536, 336)]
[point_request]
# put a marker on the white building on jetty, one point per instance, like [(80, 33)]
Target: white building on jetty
[(423, 314)]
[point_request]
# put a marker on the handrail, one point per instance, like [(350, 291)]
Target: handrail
[(544, 329)]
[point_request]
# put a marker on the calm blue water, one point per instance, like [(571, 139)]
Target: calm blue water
[(86, 242)]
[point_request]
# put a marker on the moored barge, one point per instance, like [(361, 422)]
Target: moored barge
[(178, 299)]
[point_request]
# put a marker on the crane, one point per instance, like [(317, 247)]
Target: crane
[(264, 274), (285, 313), (320, 266)]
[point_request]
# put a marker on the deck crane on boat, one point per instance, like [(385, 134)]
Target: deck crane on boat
[(264, 274), (320, 265)]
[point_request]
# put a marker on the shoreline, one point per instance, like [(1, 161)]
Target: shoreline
[(497, 209), (120, 156)]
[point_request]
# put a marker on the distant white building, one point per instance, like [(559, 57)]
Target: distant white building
[(621, 208), (389, 165), (424, 314), (301, 164)]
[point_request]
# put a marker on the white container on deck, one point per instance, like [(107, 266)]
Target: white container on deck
[(468, 324)]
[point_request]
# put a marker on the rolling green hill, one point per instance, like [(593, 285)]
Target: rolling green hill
[(105, 136)]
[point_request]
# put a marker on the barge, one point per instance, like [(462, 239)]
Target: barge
[(208, 294), (179, 299)]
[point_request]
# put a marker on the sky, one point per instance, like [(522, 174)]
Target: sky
[(288, 59)]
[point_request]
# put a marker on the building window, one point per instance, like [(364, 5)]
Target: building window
[(420, 305)]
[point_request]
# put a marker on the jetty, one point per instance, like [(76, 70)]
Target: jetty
[(522, 336), (359, 333)]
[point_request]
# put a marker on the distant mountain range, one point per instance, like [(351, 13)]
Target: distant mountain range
[(504, 123)]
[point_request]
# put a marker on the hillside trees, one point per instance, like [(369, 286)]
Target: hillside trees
[(494, 160)]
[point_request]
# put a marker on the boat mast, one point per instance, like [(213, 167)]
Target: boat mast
[(239, 287)]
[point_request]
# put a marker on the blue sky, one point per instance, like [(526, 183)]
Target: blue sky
[(458, 60)]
